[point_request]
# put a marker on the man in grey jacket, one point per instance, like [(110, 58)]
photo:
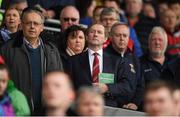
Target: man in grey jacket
[(29, 57)]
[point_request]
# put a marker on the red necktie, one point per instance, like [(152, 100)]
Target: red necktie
[(96, 70)]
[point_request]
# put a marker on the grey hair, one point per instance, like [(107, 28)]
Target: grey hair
[(118, 24), (109, 11), (27, 11), (69, 6), (160, 30)]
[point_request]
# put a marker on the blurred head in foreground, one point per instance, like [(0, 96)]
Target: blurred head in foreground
[(89, 102)]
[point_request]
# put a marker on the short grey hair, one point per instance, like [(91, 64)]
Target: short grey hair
[(118, 24), (160, 30), (28, 10), (69, 6), (109, 11)]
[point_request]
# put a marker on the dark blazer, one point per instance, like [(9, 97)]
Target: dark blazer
[(79, 69)]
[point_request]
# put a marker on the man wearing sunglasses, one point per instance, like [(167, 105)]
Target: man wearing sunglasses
[(69, 16)]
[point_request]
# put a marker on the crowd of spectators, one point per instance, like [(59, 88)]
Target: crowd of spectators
[(117, 53)]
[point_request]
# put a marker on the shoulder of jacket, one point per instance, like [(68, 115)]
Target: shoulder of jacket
[(50, 46), (79, 55), (8, 44)]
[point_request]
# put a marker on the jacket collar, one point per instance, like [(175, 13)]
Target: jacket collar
[(19, 40)]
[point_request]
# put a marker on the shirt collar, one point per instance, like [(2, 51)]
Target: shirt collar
[(69, 51), (6, 30), (29, 45), (5, 34), (100, 52)]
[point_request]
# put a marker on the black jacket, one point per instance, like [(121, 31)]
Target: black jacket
[(17, 58), (132, 70), (171, 73), (2, 42), (151, 70)]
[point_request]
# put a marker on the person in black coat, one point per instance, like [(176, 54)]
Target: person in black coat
[(172, 72), (29, 57), (75, 43), (119, 50), (83, 70), (153, 63)]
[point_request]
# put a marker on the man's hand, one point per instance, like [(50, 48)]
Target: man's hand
[(131, 106), (103, 87)]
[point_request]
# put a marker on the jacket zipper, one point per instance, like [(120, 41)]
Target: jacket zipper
[(32, 102)]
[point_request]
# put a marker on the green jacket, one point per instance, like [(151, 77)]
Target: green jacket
[(1, 15), (18, 99)]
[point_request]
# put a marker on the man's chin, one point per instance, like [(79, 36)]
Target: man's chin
[(52, 105), (157, 53)]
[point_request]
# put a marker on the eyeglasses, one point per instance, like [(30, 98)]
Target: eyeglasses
[(110, 19), (68, 19), (33, 23)]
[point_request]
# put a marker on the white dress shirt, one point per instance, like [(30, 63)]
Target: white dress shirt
[(91, 59)]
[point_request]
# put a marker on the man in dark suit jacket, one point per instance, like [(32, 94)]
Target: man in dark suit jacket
[(82, 69)]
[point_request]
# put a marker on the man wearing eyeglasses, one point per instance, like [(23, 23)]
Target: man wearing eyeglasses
[(29, 57)]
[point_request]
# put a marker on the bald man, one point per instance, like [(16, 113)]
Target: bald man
[(69, 16), (57, 93)]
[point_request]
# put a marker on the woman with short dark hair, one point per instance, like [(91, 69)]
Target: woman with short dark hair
[(75, 42)]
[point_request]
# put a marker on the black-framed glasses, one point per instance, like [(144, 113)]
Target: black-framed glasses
[(68, 19)]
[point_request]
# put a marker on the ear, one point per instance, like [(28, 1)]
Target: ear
[(72, 95), (42, 28)]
